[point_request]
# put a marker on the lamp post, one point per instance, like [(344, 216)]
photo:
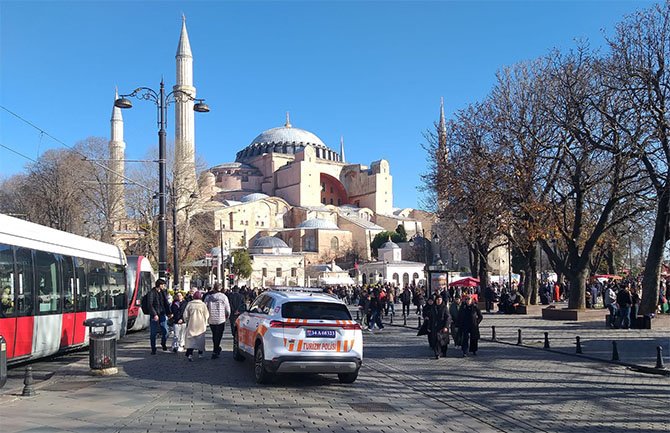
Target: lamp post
[(162, 101)]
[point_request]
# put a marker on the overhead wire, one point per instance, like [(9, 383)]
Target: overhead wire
[(72, 148)]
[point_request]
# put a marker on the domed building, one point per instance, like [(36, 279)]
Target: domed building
[(274, 264)]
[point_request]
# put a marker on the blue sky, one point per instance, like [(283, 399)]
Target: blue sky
[(372, 72)]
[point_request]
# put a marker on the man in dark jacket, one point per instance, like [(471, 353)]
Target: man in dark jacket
[(624, 300), (469, 318), (159, 309), (437, 316), (406, 299), (237, 306)]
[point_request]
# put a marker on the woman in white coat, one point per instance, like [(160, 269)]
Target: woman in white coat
[(196, 316)]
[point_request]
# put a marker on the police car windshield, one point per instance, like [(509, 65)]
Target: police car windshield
[(315, 310)]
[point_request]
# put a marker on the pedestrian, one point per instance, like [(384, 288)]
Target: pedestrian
[(437, 316), (453, 315), (159, 309), (196, 316), (610, 302), (237, 307), (635, 307), (489, 297), (469, 318), (219, 312), (418, 300), (376, 308), (178, 306), (624, 300), (406, 299)]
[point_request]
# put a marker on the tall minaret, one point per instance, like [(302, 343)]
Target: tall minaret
[(185, 182), (117, 149), (442, 153), (342, 159)]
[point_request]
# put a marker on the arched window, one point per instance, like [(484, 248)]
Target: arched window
[(334, 243), (396, 278), (405, 279)]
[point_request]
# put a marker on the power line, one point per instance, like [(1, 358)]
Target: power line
[(92, 161), (17, 152)]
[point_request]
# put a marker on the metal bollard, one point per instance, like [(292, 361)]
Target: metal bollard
[(518, 341), (579, 344), (28, 389), (391, 320), (493, 333), (659, 357), (546, 340), (615, 352), (404, 319)]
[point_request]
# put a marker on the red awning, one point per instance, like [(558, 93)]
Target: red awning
[(465, 282)]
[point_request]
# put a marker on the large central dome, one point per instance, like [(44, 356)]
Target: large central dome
[(288, 140)]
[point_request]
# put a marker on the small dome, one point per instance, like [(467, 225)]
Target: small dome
[(269, 242), (253, 197), (389, 245), (317, 223)]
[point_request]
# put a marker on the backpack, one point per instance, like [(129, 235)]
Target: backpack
[(145, 303)]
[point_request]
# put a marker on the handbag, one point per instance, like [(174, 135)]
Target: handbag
[(424, 329)]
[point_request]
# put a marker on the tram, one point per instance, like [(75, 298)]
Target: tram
[(50, 282), (141, 279)]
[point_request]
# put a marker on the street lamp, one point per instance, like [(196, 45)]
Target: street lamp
[(162, 101)]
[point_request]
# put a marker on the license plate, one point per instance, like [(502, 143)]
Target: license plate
[(320, 333)]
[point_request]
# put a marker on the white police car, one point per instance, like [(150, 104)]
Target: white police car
[(292, 331)]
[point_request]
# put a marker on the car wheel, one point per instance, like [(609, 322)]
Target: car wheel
[(348, 377), (260, 373), (237, 355)]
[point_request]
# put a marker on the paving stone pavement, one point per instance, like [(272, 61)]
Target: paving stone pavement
[(400, 389)]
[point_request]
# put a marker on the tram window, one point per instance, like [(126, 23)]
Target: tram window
[(146, 283), (48, 284), (82, 287), (24, 272), (117, 286), (68, 284), (6, 281), (98, 287)]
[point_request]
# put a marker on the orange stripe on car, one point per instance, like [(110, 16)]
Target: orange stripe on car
[(291, 346), (262, 330), (299, 345), (338, 346)]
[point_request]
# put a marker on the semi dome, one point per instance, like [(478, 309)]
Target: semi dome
[(318, 223), (287, 140), (253, 197), (269, 242)]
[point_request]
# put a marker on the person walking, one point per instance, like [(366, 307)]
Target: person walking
[(178, 306), (219, 312), (406, 299), (196, 316), (469, 318), (437, 316), (624, 300), (635, 307), (610, 303), (237, 307), (453, 315), (159, 309)]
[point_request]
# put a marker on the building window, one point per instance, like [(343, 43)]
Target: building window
[(331, 201), (339, 201), (279, 272), (334, 244), (265, 272), (294, 272), (323, 200), (323, 187)]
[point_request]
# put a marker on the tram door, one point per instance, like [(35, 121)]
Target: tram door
[(81, 301), (7, 298), (68, 297)]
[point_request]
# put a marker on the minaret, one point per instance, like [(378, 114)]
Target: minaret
[(117, 149), (342, 159), (185, 182), (441, 156)]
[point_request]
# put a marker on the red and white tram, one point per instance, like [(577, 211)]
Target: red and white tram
[(50, 282), (141, 279)]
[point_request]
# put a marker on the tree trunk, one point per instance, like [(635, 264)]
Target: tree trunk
[(483, 272), (611, 266), (531, 277), (578, 290), (652, 267)]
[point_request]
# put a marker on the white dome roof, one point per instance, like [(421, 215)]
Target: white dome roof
[(389, 245), (253, 197), (269, 242), (288, 135), (317, 223)]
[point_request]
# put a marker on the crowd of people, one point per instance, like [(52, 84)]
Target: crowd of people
[(450, 314)]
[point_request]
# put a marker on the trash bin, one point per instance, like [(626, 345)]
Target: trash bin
[(102, 345), (3, 361)]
